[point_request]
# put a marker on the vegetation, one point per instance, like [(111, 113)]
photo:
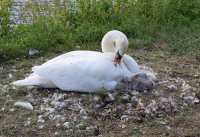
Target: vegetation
[(64, 25), (167, 28)]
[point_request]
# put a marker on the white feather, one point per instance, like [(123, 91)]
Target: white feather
[(24, 104)]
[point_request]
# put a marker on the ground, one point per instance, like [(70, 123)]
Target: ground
[(171, 109)]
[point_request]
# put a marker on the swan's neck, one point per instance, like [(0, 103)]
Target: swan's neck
[(108, 45), (113, 41)]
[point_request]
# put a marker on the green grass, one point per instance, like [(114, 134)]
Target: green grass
[(145, 22)]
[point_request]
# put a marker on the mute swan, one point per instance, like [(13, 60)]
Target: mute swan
[(87, 71)]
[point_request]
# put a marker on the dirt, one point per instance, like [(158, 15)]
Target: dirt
[(171, 109)]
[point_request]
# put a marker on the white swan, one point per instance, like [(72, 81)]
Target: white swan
[(86, 71)]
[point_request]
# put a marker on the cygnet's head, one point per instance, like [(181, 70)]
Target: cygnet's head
[(116, 42)]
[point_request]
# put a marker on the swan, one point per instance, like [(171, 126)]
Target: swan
[(87, 71)]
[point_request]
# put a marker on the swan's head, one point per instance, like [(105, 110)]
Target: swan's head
[(120, 48), (116, 42)]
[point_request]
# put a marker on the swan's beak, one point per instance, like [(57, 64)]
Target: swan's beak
[(117, 59)]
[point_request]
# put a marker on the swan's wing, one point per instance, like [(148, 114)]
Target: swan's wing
[(131, 64), (134, 68), (81, 72), (74, 54), (70, 56)]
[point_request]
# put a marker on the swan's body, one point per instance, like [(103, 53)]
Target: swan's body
[(85, 71)]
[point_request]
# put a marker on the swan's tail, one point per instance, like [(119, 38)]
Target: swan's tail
[(34, 80), (29, 81), (24, 82)]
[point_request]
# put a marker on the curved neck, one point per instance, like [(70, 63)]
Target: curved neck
[(113, 41), (108, 45)]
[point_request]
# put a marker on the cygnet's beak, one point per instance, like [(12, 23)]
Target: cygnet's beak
[(117, 59)]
